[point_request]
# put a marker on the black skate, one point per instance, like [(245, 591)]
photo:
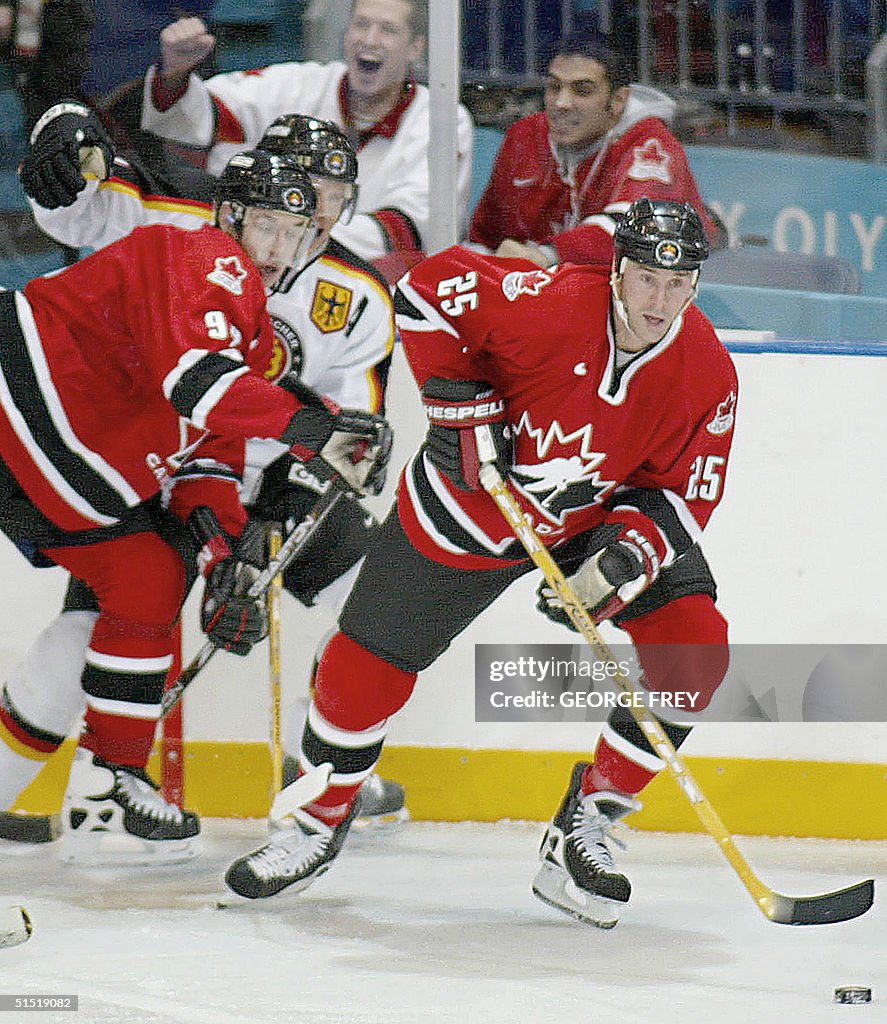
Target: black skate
[(115, 814), (292, 857), (381, 803), (578, 875)]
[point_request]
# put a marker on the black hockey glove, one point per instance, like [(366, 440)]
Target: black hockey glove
[(67, 142), (466, 427), (229, 618), (610, 578), (355, 444)]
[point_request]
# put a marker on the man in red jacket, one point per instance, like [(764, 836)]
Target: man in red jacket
[(564, 174)]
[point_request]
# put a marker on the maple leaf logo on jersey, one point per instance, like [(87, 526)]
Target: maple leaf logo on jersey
[(524, 282), (565, 483), (561, 485), (650, 162), (229, 274), (724, 416)]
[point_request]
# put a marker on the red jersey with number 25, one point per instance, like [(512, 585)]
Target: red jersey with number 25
[(583, 427)]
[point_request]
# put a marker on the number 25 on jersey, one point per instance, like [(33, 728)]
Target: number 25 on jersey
[(705, 478), (465, 296)]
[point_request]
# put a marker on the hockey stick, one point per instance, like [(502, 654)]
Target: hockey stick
[(825, 909), (274, 542), (43, 828), (291, 547), (20, 827)]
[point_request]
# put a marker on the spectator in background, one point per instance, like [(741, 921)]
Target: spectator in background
[(124, 38), (562, 175), (373, 96), (49, 49), (524, 45)]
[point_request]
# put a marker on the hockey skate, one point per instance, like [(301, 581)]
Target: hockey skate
[(292, 857), (114, 814), (381, 803), (578, 875)]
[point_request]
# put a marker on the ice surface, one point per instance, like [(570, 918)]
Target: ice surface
[(436, 923)]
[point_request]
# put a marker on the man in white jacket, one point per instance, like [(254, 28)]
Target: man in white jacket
[(372, 95)]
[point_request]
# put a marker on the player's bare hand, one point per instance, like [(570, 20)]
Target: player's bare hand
[(183, 45), (510, 249)]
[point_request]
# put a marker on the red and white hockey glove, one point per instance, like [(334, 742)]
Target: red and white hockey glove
[(466, 427), (612, 576), (356, 444), (229, 618)]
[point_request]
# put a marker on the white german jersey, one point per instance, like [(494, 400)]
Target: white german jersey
[(333, 321), (230, 112)]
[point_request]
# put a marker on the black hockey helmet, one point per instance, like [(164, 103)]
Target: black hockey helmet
[(661, 233), (321, 147), (270, 181), (273, 181)]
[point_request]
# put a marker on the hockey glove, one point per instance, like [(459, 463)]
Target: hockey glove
[(466, 427), (608, 580), (354, 443), (67, 142), (229, 618)]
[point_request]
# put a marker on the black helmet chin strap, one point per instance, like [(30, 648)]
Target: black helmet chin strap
[(621, 312)]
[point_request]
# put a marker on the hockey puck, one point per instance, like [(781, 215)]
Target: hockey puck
[(853, 994)]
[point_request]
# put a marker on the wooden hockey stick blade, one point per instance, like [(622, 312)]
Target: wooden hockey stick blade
[(295, 541), (306, 788), (825, 909), (30, 828)]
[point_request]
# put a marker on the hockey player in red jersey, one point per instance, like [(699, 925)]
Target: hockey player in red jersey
[(610, 402), (564, 175), (341, 349), (143, 369)]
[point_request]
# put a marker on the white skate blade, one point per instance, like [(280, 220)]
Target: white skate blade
[(306, 788), (15, 926), (554, 886), (114, 849)]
